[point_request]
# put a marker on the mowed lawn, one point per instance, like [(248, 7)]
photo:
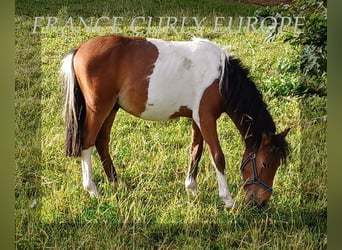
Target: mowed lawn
[(150, 208)]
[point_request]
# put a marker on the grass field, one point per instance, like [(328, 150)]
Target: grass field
[(150, 208)]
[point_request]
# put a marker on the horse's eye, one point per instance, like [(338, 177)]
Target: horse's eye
[(265, 165)]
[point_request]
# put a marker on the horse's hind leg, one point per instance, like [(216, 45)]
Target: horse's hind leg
[(94, 119), (88, 182), (195, 156), (102, 142)]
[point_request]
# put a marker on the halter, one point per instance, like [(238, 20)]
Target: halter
[(256, 179)]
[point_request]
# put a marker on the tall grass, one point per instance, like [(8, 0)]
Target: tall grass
[(150, 207)]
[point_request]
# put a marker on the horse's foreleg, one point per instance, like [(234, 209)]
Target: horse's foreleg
[(102, 142), (195, 156), (209, 132)]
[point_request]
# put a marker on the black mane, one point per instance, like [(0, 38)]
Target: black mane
[(244, 103)]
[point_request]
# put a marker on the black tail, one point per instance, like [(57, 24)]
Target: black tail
[(74, 107)]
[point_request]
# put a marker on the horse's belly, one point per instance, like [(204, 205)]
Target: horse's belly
[(164, 105)]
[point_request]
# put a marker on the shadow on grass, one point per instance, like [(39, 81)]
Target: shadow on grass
[(269, 225)]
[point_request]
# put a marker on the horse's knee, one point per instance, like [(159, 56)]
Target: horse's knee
[(219, 161)]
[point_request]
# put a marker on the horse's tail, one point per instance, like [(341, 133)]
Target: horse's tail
[(74, 107)]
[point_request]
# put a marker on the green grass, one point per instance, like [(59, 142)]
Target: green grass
[(150, 208)]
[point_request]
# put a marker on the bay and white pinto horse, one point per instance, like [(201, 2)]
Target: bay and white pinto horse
[(160, 80)]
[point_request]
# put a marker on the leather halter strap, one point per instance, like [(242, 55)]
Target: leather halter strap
[(256, 179)]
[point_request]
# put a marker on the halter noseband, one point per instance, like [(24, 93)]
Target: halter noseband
[(256, 179)]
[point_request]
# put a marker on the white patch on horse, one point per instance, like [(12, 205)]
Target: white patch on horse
[(88, 182), (181, 74), (191, 185), (224, 192)]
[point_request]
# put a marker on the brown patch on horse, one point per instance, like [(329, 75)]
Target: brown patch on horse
[(210, 109), (114, 69), (183, 111), (211, 102)]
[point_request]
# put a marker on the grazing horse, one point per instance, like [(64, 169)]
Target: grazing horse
[(160, 80)]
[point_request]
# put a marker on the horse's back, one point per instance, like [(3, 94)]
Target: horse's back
[(149, 78)]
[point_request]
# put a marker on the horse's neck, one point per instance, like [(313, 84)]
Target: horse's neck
[(243, 103), (251, 125)]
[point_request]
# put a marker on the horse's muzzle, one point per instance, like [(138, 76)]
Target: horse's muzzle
[(253, 199)]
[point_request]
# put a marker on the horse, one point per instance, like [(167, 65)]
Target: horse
[(160, 80)]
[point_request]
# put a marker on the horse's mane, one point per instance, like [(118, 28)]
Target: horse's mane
[(244, 103)]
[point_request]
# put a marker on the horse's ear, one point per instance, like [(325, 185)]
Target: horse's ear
[(284, 133)]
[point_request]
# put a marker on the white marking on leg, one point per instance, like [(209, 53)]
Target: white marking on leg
[(223, 190), (224, 193), (88, 182), (191, 184)]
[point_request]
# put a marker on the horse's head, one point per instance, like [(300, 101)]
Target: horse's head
[(259, 168)]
